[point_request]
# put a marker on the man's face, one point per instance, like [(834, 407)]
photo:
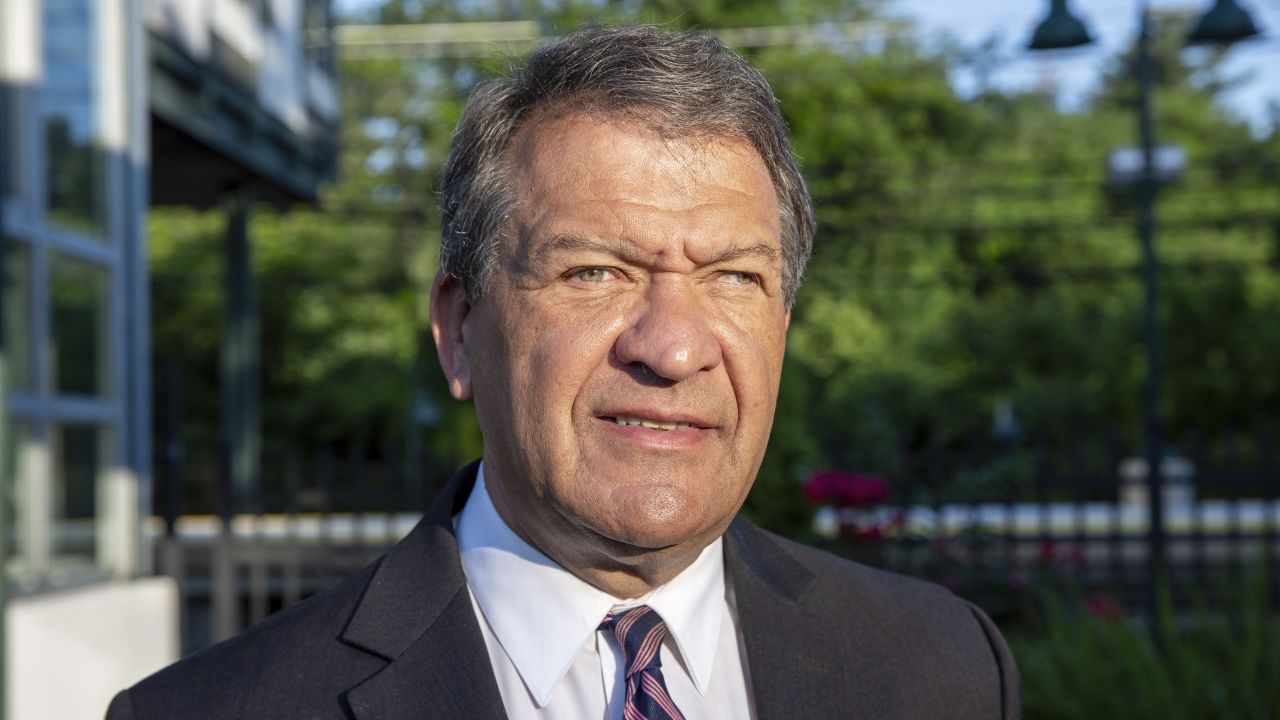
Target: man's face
[(625, 357)]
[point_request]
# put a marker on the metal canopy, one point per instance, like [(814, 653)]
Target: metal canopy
[(210, 137)]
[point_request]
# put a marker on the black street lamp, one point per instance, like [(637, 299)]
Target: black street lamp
[(1226, 22), (1059, 29)]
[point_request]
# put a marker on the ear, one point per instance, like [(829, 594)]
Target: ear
[(449, 308)]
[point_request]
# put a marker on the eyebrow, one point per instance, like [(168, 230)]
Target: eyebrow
[(565, 242), (737, 252), (627, 249)]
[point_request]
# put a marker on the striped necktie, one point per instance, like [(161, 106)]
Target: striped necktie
[(640, 631)]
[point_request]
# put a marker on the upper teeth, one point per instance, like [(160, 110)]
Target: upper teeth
[(655, 424)]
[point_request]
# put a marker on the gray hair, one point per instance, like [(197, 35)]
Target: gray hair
[(678, 84)]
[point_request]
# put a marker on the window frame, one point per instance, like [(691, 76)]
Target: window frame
[(119, 413)]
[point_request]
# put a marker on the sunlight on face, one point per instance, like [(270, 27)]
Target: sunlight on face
[(625, 358)]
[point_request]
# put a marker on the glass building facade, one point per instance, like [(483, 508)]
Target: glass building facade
[(73, 315), (234, 95)]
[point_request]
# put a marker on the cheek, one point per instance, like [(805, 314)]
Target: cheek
[(554, 352), (756, 349)]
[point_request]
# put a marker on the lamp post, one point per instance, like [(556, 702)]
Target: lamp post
[(1225, 22)]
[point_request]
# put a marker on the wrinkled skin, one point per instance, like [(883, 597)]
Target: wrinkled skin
[(640, 277)]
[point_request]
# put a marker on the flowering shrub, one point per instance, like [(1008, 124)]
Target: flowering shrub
[(845, 490), (848, 515), (855, 520), (1086, 659), (1103, 606)]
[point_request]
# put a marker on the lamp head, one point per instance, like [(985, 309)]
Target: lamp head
[(1059, 29), (1225, 23)]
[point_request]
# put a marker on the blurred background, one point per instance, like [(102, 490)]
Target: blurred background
[(1048, 259)]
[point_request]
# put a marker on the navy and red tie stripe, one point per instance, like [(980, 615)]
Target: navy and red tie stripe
[(640, 632)]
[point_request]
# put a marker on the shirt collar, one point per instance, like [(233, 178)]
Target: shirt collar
[(542, 615)]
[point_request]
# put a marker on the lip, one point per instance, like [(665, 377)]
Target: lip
[(639, 437), (699, 422)]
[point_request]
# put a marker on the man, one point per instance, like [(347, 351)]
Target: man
[(624, 233)]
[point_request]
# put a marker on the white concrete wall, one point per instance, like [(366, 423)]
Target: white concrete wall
[(71, 651)]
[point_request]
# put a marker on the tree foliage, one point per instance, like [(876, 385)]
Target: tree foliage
[(970, 256)]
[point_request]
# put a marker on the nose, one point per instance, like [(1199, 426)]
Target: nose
[(672, 334)]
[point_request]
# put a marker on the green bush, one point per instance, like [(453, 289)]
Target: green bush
[(1087, 661)]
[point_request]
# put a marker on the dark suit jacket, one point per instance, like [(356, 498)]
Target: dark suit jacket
[(825, 638)]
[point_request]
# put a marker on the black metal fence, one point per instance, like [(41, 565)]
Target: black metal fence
[(998, 523), (315, 518), (1004, 523)]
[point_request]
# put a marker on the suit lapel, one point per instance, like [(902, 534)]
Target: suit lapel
[(802, 665), (444, 674), (416, 613)]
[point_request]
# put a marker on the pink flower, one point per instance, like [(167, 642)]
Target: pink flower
[(1018, 580), (845, 489), (1103, 606), (1048, 549), (868, 534), (1072, 560)]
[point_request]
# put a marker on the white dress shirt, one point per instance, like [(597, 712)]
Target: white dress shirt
[(540, 624)]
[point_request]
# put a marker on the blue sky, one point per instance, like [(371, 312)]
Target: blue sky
[(1075, 72), (1113, 24)]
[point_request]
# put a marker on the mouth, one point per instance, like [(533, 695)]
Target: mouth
[(662, 425), (654, 429)]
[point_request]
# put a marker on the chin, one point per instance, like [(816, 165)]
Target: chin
[(644, 543), (650, 512), (664, 526)]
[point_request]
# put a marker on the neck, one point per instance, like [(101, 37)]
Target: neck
[(622, 570), (628, 576)]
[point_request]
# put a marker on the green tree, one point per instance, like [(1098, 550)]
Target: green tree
[(969, 255)]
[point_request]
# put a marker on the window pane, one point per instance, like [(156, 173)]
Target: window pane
[(14, 480), (80, 462), (79, 295), (8, 146), (69, 115), (16, 338)]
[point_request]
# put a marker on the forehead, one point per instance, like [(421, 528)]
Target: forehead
[(617, 177)]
